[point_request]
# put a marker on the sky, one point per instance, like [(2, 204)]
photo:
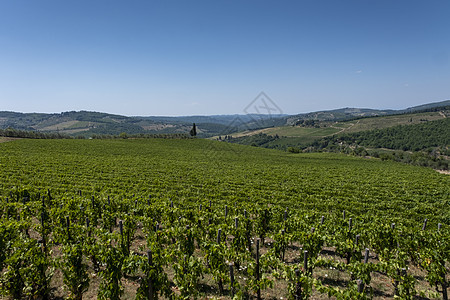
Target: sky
[(209, 57)]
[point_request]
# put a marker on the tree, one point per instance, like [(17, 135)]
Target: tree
[(193, 131)]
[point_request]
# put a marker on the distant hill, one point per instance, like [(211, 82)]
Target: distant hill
[(418, 138), (87, 123), (427, 107), (338, 114), (305, 132), (353, 113)]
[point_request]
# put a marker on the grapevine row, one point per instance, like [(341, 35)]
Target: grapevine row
[(172, 244)]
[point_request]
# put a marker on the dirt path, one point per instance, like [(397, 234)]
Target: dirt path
[(4, 139), (343, 129), (442, 114)]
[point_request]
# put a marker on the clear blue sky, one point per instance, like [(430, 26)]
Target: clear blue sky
[(193, 57)]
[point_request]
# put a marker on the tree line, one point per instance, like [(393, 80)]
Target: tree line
[(31, 134)]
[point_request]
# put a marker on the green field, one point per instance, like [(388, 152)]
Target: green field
[(304, 132), (390, 121), (165, 181), (166, 168)]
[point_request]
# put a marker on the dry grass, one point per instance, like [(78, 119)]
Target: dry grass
[(7, 139)]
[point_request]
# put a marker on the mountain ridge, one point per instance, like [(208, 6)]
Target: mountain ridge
[(87, 123)]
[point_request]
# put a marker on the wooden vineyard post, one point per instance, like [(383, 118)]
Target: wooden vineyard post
[(349, 252), (219, 231), (403, 273), (305, 262), (298, 286), (231, 280), (359, 281), (258, 291), (44, 236), (356, 245), (424, 224), (220, 283), (87, 226), (265, 225), (150, 283), (121, 228), (226, 211), (247, 229), (444, 289), (366, 256), (128, 238), (322, 219), (360, 286), (121, 232), (236, 226)]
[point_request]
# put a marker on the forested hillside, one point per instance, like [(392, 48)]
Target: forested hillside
[(408, 138)]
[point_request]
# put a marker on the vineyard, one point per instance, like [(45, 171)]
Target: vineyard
[(196, 219)]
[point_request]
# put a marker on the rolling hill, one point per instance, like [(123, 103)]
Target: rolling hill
[(307, 132), (418, 137), (308, 126), (86, 123)]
